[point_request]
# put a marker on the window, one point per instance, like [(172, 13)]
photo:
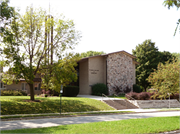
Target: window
[(24, 86), (37, 86), (2, 85)]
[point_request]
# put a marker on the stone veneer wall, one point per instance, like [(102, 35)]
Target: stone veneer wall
[(119, 71)]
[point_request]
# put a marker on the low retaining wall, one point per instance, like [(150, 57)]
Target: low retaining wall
[(156, 103)]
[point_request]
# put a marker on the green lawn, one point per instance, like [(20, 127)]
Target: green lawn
[(122, 96), (65, 114), (147, 125), (17, 105)]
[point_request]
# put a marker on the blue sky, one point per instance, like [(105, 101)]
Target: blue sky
[(115, 25)]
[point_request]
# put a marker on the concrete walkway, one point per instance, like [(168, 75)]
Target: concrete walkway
[(49, 122), (98, 97)]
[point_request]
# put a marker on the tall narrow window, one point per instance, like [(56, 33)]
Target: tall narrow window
[(1, 84), (37, 86), (23, 85)]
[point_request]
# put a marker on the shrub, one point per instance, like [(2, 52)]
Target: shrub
[(13, 93), (174, 96), (154, 96), (50, 92), (149, 96), (139, 96), (118, 90), (165, 78), (144, 96), (132, 95), (99, 89), (70, 91), (127, 90), (137, 88)]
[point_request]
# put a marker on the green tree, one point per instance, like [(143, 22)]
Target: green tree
[(165, 79), (6, 13), (64, 72), (91, 53), (172, 3), (27, 49), (149, 57), (177, 55), (165, 56)]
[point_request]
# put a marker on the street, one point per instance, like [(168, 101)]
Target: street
[(49, 122)]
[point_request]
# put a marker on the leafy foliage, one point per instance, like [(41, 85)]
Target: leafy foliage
[(165, 79), (25, 47), (149, 57), (6, 14), (91, 53), (177, 55), (70, 91), (137, 88), (172, 3), (63, 73), (139, 96), (166, 56), (13, 93), (99, 89), (132, 95)]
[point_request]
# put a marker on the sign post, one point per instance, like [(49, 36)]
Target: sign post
[(61, 92)]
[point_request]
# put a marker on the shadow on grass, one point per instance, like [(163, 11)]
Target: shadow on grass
[(47, 105)]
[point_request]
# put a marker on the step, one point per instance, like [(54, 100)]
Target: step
[(114, 104), (127, 104), (120, 104)]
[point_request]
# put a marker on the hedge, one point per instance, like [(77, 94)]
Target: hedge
[(70, 91)]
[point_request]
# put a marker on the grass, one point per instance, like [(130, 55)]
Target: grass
[(121, 96), (18, 105), (139, 126), (66, 114), (171, 109)]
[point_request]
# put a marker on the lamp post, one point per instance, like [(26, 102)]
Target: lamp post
[(61, 92), (169, 99), (1, 52)]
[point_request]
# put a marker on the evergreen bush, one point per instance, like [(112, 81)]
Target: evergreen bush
[(99, 89), (70, 91), (137, 88)]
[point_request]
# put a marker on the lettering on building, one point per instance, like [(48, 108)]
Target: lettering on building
[(93, 71)]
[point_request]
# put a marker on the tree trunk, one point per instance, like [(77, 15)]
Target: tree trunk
[(31, 91)]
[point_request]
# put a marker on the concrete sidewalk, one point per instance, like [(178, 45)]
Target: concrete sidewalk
[(133, 110), (98, 97), (49, 122)]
